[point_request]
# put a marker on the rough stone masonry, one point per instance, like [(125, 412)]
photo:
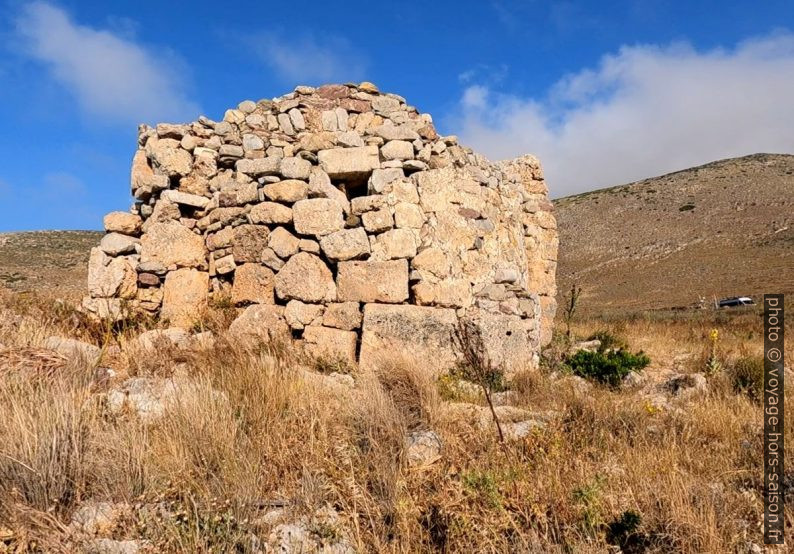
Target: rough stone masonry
[(339, 217)]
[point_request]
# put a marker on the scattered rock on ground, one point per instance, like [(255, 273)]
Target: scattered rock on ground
[(423, 448)]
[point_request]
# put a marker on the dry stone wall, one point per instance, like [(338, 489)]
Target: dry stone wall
[(336, 215)]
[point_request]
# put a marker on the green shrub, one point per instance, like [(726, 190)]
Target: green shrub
[(747, 376), (607, 367)]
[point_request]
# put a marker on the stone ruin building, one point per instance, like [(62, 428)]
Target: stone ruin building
[(339, 217)]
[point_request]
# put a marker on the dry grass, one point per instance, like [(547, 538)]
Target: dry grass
[(255, 435)]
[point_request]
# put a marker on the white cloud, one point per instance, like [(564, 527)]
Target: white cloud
[(643, 111), (307, 60), (110, 75)]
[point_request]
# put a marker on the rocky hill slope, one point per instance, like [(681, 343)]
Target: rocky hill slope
[(722, 229), (46, 261)]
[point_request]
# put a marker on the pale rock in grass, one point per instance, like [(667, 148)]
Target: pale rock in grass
[(163, 339), (75, 349), (422, 448)]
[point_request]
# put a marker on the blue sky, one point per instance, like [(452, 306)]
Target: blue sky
[(603, 92)]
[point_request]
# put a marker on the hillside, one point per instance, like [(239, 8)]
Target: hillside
[(722, 229), (46, 261)]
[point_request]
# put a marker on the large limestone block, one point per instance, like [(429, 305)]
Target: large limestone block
[(342, 163), (317, 216), (373, 281), (511, 343), (261, 322), (416, 335), (305, 277), (171, 244), (330, 344), (342, 315), (185, 296), (109, 277), (346, 244), (253, 283)]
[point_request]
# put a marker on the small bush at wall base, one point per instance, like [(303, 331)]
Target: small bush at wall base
[(607, 367)]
